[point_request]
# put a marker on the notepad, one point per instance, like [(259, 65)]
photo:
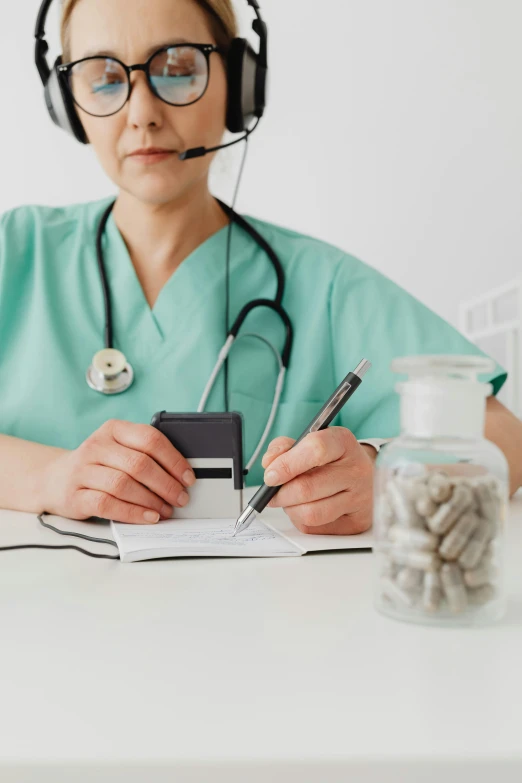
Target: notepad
[(272, 536)]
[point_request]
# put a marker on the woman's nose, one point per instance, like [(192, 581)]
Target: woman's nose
[(144, 107)]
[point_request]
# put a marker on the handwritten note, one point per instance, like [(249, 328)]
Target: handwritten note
[(200, 537)]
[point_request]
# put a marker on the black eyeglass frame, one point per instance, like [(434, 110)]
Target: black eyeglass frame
[(65, 69)]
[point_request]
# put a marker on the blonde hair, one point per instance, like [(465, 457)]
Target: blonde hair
[(220, 13)]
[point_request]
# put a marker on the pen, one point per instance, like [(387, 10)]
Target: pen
[(323, 419)]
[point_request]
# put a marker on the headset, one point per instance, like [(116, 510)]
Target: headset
[(246, 76)]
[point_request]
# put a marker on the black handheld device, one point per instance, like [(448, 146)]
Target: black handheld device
[(212, 443)]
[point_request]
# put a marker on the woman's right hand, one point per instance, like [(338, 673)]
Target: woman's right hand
[(124, 471)]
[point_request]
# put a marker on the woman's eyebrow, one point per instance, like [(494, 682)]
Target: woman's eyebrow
[(151, 50)]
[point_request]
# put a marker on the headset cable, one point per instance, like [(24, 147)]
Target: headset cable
[(67, 546)]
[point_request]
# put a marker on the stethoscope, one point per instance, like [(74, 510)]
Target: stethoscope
[(111, 373)]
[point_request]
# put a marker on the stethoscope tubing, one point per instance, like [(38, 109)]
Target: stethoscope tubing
[(103, 377), (274, 304)]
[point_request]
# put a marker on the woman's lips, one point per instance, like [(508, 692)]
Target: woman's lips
[(149, 157)]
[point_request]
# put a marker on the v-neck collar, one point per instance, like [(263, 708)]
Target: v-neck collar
[(183, 294)]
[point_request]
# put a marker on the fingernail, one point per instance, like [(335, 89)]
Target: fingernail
[(183, 499), (151, 516), (188, 478), (272, 449), (271, 478), (166, 511)]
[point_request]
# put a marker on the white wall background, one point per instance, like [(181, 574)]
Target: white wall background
[(394, 131)]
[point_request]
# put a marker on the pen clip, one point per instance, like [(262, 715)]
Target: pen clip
[(325, 414)]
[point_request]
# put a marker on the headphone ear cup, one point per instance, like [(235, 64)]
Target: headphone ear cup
[(246, 86), (61, 107)]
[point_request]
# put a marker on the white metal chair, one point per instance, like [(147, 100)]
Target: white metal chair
[(493, 321)]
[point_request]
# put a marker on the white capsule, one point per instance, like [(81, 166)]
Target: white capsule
[(455, 541), (414, 486), (488, 501), (479, 596), (432, 592), (413, 538), (425, 561), (479, 576), (454, 587), (440, 487), (403, 506), (424, 505), (396, 594), (476, 546), (448, 513), (410, 579), (475, 506), (489, 555)]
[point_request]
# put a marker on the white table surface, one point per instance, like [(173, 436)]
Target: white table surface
[(243, 670)]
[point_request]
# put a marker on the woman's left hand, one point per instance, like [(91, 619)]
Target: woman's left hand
[(327, 481)]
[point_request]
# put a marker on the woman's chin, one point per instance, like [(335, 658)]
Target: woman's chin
[(155, 190)]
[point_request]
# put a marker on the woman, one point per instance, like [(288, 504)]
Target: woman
[(70, 451)]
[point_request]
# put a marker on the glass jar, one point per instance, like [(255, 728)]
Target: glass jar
[(441, 494)]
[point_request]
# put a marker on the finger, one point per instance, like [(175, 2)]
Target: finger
[(123, 487), (99, 504), (149, 440), (315, 484), (277, 447), (347, 525), (317, 449), (321, 512), (143, 469)]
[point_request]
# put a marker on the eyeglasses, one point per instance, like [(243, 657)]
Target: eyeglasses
[(177, 75)]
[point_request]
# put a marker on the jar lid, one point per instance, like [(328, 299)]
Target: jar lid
[(452, 366), (442, 395)]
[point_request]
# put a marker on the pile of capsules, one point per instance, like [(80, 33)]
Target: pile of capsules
[(437, 542)]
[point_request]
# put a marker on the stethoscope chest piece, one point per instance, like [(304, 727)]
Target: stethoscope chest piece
[(110, 373)]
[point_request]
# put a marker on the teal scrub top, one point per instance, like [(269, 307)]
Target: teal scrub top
[(52, 323)]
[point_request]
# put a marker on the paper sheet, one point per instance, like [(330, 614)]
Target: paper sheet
[(201, 537)]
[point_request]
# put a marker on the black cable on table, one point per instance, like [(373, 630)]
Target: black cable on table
[(76, 535), (44, 546), (66, 546)]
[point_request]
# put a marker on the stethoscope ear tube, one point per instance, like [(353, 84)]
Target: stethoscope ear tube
[(271, 418), (263, 244), (103, 276), (277, 308), (223, 354)]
